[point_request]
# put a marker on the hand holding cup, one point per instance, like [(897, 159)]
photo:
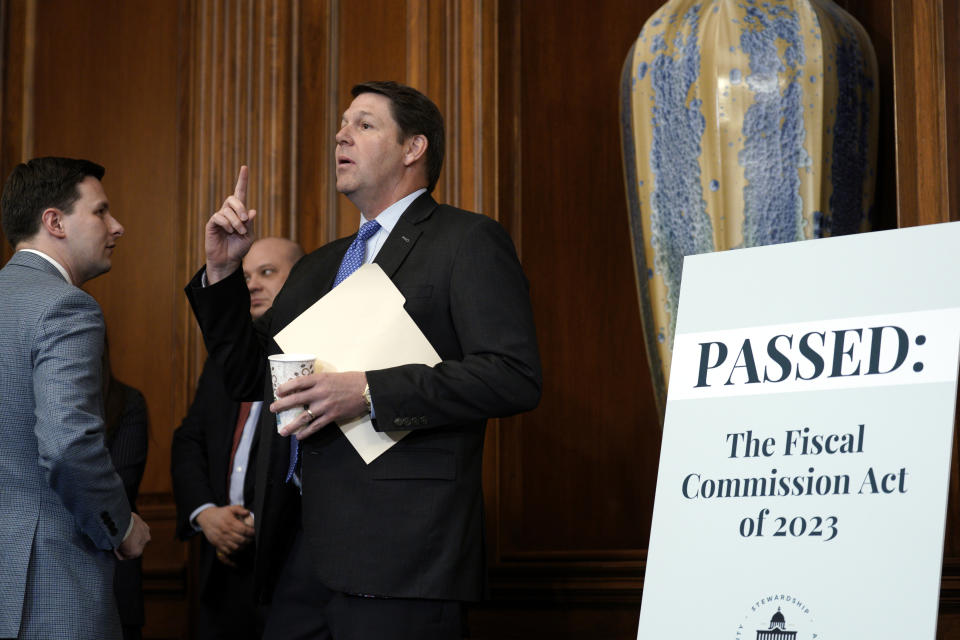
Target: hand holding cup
[(284, 367)]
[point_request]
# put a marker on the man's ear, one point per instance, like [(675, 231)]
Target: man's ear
[(52, 221), (415, 148)]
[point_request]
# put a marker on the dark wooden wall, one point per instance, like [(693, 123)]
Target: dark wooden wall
[(101, 80), (173, 96)]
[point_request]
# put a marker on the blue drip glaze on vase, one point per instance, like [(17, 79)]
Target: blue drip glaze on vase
[(773, 128), (679, 222)]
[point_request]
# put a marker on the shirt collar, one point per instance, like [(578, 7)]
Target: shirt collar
[(60, 268), (389, 216)]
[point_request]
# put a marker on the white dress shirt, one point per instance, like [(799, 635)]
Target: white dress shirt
[(238, 472), (60, 267), (388, 220)]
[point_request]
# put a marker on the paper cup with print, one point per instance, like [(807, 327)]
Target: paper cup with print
[(287, 366)]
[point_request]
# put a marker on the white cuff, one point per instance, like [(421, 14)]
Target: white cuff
[(196, 512), (129, 529)]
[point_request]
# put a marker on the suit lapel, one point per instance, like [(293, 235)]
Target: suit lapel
[(404, 234), (308, 284), (326, 282), (316, 279)]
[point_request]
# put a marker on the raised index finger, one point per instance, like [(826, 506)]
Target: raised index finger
[(240, 191)]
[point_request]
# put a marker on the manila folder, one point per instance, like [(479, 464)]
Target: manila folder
[(360, 325)]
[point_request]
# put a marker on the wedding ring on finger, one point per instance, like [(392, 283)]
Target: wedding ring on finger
[(306, 410)]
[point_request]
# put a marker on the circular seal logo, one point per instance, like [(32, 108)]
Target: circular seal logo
[(777, 617)]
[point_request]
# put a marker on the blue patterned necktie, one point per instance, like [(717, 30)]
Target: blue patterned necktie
[(351, 262)]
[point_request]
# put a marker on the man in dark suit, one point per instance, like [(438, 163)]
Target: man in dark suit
[(388, 550), (212, 466), (64, 511)]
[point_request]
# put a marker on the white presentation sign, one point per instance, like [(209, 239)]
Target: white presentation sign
[(806, 448)]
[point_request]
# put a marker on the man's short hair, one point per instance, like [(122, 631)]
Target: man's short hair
[(37, 185), (415, 114)]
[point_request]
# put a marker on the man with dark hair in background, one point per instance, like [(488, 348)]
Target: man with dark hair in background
[(65, 512), (212, 463), (389, 550)]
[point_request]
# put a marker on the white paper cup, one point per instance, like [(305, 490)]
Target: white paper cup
[(287, 366)]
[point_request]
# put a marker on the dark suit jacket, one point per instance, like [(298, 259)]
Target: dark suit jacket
[(127, 444), (410, 524), (199, 460)]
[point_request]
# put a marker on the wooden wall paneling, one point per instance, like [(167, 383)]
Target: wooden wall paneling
[(473, 54), (921, 100), (601, 440), (317, 123), (372, 45), (948, 626), (275, 148), (429, 58), (577, 477), (17, 32), (951, 79), (485, 49), (452, 57), (240, 109)]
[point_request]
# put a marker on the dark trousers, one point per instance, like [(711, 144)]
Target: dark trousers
[(303, 608), (132, 632), (226, 609)]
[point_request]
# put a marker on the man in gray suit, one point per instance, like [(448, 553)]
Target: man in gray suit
[(63, 511)]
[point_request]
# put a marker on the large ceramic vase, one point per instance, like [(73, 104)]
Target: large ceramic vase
[(745, 123)]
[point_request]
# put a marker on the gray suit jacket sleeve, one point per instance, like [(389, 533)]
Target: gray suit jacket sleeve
[(69, 426)]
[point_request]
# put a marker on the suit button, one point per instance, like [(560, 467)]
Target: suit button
[(108, 521)]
